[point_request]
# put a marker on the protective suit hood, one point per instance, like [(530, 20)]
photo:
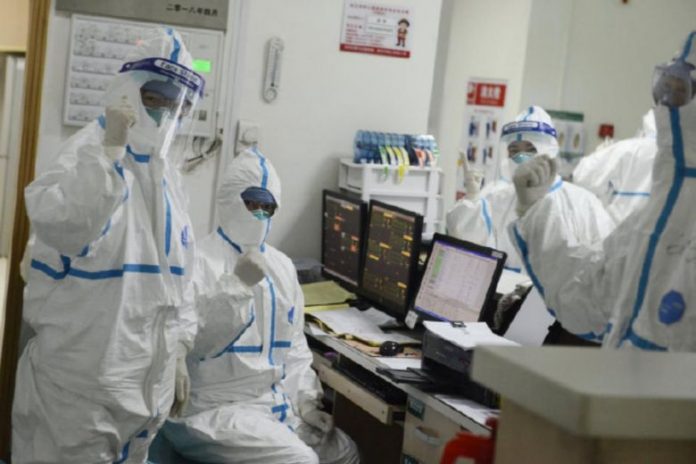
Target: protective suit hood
[(249, 169), (676, 137), (535, 126), (159, 56)]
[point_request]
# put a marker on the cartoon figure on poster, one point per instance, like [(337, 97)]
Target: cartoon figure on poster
[(402, 32)]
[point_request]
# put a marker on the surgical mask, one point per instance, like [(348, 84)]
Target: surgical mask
[(522, 157), (260, 214), (157, 114)]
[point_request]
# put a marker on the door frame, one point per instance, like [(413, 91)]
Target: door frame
[(39, 14)]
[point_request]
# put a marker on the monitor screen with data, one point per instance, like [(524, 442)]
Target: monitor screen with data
[(343, 222), (393, 241), (459, 279)]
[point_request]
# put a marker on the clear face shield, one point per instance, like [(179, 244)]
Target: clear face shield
[(674, 83), (164, 95)]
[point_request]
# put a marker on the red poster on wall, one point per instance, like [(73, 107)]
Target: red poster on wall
[(486, 94)]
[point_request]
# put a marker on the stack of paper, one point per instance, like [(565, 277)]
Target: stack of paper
[(360, 325), (469, 336), (325, 295)]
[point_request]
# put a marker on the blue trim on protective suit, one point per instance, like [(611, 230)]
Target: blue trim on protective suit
[(124, 453), (687, 45), (486, 216), (174, 56), (530, 111), (556, 186), (291, 315), (177, 270), (142, 434), (689, 172), (618, 193), (68, 270), (524, 251), (271, 288), (282, 344), (167, 220), (660, 225), (138, 157), (230, 346), (282, 409), (513, 269), (264, 168), (224, 236), (641, 342)]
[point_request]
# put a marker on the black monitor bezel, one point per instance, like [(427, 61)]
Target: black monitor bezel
[(488, 310), (363, 227), (398, 313)]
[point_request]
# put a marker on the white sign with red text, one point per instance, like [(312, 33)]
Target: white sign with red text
[(376, 29)]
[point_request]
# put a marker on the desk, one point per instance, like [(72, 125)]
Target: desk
[(465, 414)]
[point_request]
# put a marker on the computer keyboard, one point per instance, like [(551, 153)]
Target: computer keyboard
[(370, 381)]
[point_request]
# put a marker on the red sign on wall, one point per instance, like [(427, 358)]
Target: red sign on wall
[(486, 94)]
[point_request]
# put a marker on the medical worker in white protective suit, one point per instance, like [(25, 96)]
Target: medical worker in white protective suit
[(109, 291), (621, 174), (638, 285), (254, 395), (484, 220)]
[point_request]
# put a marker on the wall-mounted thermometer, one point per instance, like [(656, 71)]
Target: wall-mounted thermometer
[(274, 57)]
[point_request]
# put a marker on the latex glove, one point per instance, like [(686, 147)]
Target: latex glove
[(119, 118), (472, 178), (318, 419), (532, 180), (251, 268), (182, 383)]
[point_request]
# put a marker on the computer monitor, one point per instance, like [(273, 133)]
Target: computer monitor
[(459, 280), (343, 226), (392, 242)]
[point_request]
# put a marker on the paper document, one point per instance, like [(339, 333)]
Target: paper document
[(531, 323), (351, 322), (509, 280), (325, 293), (468, 337), (316, 308), (474, 411), (400, 363)]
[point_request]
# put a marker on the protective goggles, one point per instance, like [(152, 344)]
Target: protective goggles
[(156, 100), (511, 129), (673, 85), (259, 199)]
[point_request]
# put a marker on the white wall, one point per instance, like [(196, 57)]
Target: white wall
[(487, 39), (611, 54), (325, 96)]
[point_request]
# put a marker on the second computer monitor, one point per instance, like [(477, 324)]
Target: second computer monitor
[(393, 240), (459, 281)]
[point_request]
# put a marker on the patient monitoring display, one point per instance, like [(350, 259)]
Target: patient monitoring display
[(342, 237), (456, 282), (393, 242)]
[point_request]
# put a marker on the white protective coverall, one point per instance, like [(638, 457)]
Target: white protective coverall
[(109, 291), (485, 221), (621, 173), (251, 377), (638, 285)]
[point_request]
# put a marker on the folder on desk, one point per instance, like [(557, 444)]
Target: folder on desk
[(325, 293), (359, 325)]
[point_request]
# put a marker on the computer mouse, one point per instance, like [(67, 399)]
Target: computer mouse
[(390, 348)]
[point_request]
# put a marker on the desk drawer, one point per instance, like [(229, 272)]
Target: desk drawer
[(426, 432), (384, 412)]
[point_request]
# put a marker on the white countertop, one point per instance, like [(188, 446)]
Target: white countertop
[(597, 392)]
